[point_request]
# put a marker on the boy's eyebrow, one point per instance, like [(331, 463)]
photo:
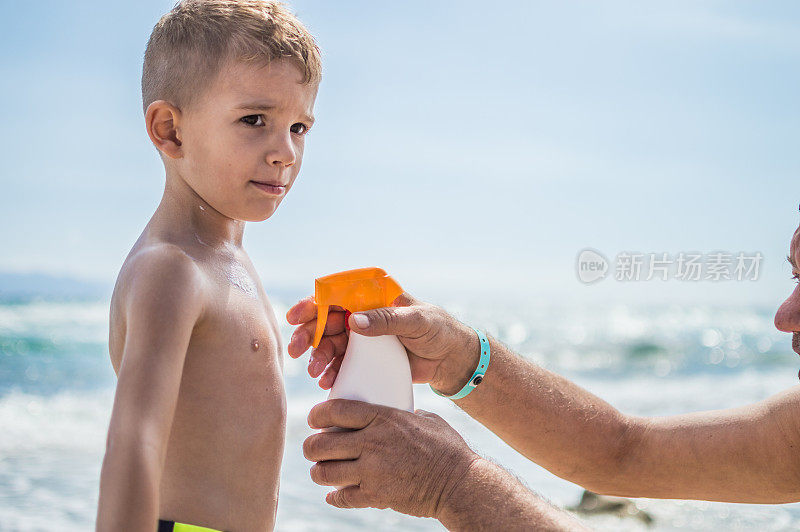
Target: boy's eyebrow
[(262, 106)]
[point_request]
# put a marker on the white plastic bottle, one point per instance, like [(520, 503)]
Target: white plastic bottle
[(375, 369)]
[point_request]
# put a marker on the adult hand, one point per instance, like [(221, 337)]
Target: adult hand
[(441, 350), (392, 459)]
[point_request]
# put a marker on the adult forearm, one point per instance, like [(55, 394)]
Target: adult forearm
[(129, 482), (745, 454), (549, 419), (490, 498)]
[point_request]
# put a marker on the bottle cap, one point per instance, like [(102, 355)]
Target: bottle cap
[(353, 290)]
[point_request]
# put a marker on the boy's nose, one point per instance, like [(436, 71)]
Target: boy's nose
[(282, 152), (787, 319)]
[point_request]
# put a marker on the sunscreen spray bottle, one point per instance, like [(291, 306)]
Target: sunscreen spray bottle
[(375, 369)]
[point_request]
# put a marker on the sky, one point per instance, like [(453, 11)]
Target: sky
[(466, 147)]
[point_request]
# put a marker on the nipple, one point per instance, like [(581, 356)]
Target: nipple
[(254, 345)]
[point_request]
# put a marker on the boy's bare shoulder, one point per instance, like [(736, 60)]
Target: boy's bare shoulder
[(159, 270), (156, 280)]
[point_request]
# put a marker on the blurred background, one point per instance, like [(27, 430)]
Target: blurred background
[(470, 149)]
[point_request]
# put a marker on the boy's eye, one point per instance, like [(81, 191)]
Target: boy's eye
[(299, 128), (253, 120)]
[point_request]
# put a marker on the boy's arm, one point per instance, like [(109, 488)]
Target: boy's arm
[(163, 306)]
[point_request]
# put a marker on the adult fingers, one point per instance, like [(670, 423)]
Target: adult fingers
[(324, 446), (331, 348), (306, 310), (405, 300), (302, 311), (336, 473), (329, 377), (339, 342), (349, 497), (410, 322), (345, 413), (321, 356), (303, 336), (319, 359)]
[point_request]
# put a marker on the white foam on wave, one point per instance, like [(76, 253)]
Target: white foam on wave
[(51, 449), (61, 321), (68, 421)]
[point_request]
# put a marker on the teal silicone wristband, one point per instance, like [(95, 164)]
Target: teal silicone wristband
[(480, 371)]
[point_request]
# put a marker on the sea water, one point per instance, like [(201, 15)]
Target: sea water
[(57, 385)]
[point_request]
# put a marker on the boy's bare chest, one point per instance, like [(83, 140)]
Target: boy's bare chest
[(235, 349), (232, 377), (238, 337), (231, 412)]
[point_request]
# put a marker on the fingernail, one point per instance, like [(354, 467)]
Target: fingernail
[(361, 320)]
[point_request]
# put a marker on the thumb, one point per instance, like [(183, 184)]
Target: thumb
[(349, 497), (400, 321)]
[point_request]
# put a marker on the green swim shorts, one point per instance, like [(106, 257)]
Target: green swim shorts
[(172, 526)]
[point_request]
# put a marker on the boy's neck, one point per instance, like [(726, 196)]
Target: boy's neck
[(183, 210)]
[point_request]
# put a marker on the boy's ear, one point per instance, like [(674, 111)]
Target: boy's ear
[(162, 121)]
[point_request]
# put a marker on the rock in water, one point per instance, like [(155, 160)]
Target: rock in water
[(593, 504)]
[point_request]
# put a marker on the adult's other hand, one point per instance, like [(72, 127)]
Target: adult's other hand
[(410, 462)]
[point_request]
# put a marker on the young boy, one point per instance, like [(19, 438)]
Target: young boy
[(197, 429)]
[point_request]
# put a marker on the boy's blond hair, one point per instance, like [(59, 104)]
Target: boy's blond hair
[(191, 43)]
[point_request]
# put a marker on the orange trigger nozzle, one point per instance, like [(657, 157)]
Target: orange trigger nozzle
[(354, 291)]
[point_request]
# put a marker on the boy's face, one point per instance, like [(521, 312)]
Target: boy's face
[(242, 141)]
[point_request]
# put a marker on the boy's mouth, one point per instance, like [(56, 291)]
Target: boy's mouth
[(274, 189)]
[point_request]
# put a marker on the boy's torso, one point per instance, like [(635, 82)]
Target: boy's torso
[(226, 443)]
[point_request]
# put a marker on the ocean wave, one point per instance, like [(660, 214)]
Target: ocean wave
[(56, 392), (52, 449), (56, 321)]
